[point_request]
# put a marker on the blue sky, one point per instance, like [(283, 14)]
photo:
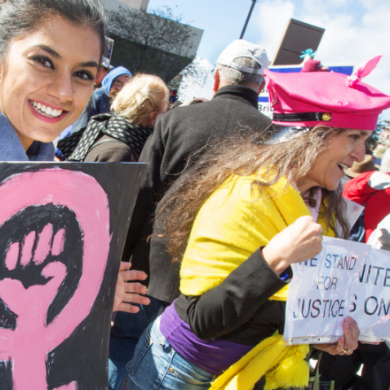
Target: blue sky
[(355, 30)]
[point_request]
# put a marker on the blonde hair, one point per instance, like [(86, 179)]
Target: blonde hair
[(140, 97), (294, 159)]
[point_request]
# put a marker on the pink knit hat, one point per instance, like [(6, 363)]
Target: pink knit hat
[(314, 98)]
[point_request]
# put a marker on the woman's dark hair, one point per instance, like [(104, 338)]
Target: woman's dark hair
[(18, 18)]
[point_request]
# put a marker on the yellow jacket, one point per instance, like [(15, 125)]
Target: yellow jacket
[(232, 224)]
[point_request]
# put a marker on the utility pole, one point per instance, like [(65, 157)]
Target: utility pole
[(247, 19)]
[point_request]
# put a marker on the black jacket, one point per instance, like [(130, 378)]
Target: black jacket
[(235, 310), (177, 135)]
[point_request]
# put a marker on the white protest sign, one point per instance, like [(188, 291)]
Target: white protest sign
[(346, 279)]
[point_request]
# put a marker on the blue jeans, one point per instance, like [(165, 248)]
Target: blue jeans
[(124, 336), (157, 366)]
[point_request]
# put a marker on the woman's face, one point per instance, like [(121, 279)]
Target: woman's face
[(342, 150), (47, 79)]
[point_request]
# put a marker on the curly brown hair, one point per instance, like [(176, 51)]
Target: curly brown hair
[(236, 156)]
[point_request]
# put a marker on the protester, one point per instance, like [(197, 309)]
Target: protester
[(101, 74), (241, 217), (238, 81), (385, 164), (120, 136), (101, 98), (49, 55), (367, 165), (372, 190)]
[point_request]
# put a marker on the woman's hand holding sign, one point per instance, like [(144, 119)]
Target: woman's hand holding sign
[(346, 344)]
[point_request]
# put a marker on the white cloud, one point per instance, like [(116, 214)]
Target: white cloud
[(200, 85), (369, 4), (354, 39), (321, 6), (355, 31), (272, 17)]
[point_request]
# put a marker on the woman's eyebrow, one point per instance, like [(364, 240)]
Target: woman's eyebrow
[(49, 50), (89, 64), (53, 53), (364, 134)]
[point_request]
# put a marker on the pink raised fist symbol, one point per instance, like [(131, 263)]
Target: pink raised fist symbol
[(54, 245)]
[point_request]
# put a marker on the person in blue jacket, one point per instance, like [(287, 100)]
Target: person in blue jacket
[(101, 98)]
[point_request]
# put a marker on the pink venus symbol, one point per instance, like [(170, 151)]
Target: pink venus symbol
[(27, 346)]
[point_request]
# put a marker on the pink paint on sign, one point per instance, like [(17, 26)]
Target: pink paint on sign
[(28, 245), (43, 247), (28, 345), (58, 243), (11, 259)]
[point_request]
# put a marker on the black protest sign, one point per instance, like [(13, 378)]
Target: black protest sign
[(62, 231)]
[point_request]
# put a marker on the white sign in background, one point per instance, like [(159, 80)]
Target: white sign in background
[(346, 279)]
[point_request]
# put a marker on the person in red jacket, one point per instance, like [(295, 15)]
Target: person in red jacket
[(372, 190)]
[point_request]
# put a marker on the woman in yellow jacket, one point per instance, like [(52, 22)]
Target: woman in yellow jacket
[(238, 220)]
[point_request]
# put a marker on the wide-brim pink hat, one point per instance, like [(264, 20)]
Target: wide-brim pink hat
[(328, 98)]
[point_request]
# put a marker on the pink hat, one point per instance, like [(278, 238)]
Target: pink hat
[(314, 98)]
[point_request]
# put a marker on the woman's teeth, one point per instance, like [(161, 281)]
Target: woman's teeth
[(46, 111), (342, 166)]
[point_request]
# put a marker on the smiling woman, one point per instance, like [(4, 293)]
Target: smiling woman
[(246, 212), (50, 51)]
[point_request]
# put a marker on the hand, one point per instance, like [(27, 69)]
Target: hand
[(347, 343), (298, 242), (32, 303), (126, 293), (383, 240)]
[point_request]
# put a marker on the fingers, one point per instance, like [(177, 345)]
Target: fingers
[(58, 243), (124, 266), (332, 349), (44, 244), (11, 258), (351, 335), (128, 276), (300, 241), (135, 298), (28, 245), (55, 269), (138, 288), (347, 343), (126, 307)]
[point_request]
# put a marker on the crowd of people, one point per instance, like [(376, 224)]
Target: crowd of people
[(230, 199)]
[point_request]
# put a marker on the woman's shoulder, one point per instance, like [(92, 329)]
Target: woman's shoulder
[(110, 149), (251, 187)]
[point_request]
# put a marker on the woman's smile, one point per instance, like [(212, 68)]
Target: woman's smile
[(47, 79), (342, 150), (46, 112)]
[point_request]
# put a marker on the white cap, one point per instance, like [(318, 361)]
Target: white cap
[(241, 48)]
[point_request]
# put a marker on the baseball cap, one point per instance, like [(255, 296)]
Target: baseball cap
[(241, 48)]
